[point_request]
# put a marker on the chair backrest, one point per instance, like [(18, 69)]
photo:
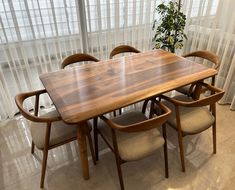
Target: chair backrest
[(20, 98), (79, 57), (144, 125), (123, 49), (208, 55)]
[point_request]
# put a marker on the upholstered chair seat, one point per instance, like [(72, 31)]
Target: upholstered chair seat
[(184, 89), (60, 131)]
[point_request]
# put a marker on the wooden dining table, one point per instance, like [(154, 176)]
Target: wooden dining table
[(90, 90)]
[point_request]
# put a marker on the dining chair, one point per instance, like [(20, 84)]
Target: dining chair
[(191, 116), (76, 58), (48, 130), (120, 50), (132, 136), (206, 55), (79, 57)]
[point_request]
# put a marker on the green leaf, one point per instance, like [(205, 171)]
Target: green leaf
[(169, 29)]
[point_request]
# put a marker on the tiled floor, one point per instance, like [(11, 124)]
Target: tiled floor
[(21, 170)]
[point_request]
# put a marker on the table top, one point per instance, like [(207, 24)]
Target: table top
[(90, 90)]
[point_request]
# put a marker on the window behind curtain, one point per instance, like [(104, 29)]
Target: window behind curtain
[(201, 7), (22, 20)]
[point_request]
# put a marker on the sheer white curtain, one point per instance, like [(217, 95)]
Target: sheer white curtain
[(114, 22), (211, 26), (36, 35)]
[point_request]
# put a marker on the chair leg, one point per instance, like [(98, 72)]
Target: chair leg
[(180, 140), (114, 113), (180, 137), (119, 171), (117, 158), (151, 110), (91, 147), (96, 139), (120, 111), (44, 164), (165, 151), (214, 137), (32, 147), (45, 154), (144, 107)]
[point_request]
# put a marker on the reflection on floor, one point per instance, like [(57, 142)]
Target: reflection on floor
[(21, 170)]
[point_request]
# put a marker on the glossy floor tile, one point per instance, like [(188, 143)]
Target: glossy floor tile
[(20, 170)]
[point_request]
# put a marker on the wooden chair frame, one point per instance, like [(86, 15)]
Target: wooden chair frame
[(216, 95), (122, 49), (209, 56), (19, 99), (137, 127), (79, 57)]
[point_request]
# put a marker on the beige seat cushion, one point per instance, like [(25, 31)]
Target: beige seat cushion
[(193, 119), (136, 145), (60, 131), (184, 89)]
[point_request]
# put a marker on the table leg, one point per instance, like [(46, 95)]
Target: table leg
[(81, 135)]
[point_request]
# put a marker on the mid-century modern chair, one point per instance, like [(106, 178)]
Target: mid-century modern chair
[(193, 116), (48, 131), (204, 54), (75, 58), (121, 50), (132, 136)]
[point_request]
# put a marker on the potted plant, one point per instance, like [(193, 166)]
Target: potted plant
[(169, 27)]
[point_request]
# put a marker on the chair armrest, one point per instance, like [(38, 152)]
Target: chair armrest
[(20, 98), (143, 125), (216, 95)]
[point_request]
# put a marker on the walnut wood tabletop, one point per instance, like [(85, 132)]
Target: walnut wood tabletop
[(83, 92)]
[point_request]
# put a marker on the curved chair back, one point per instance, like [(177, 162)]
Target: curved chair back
[(123, 49), (208, 55), (79, 57), (20, 98), (144, 125)]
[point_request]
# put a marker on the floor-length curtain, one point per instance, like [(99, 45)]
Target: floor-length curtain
[(36, 35), (34, 38), (211, 26), (114, 22)]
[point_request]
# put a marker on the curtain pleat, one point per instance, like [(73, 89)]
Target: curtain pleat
[(211, 26)]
